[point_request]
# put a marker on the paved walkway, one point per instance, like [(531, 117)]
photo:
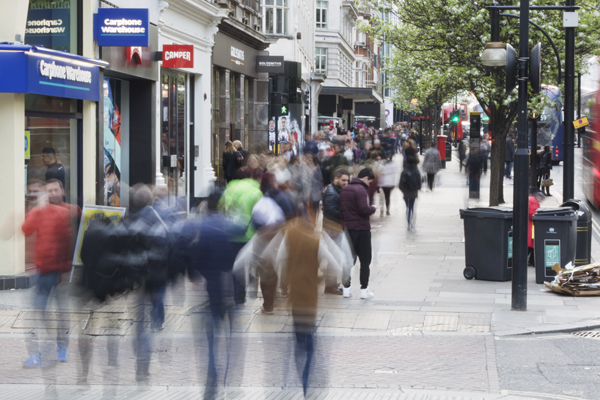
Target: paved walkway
[(429, 333)]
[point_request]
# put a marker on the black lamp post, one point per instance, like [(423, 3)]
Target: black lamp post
[(493, 56)]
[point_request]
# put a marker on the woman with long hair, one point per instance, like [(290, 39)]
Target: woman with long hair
[(229, 162)]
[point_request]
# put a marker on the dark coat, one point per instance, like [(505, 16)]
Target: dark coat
[(245, 154), (510, 150), (354, 206), (331, 202), (230, 166), (410, 181)]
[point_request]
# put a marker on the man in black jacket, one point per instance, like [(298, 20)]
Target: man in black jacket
[(332, 223)]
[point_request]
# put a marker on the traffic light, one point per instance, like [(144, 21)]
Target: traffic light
[(455, 117), (279, 104), (306, 99)]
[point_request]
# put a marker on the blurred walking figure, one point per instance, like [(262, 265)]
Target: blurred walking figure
[(53, 252), (474, 173), (462, 154), (484, 149), (509, 155), (332, 223), (204, 246), (355, 212), (534, 203), (386, 180), (545, 165), (301, 254), (431, 164), (410, 184)]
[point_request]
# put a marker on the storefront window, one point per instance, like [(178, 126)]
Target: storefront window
[(173, 134), (50, 152), (52, 24)]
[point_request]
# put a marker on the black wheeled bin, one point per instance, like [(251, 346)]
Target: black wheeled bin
[(555, 240), (488, 243), (584, 231)]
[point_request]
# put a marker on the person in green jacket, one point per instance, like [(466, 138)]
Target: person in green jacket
[(238, 201)]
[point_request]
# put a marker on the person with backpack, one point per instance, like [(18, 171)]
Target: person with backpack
[(410, 184)]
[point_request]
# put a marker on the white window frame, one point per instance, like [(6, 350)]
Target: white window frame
[(278, 9), (321, 60), (321, 17)]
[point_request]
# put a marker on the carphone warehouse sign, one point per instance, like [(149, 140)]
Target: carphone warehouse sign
[(121, 27), (48, 27)]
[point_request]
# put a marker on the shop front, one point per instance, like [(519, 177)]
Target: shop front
[(42, 99), (127, 127), (240, 97)]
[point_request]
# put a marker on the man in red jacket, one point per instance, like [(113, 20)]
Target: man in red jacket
[(52, 223), (354, 212)]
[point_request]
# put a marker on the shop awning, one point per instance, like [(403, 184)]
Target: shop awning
[(35, 69), (354, 93)]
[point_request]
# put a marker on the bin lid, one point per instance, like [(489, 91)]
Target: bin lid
[(555, 214), (498, 212), (584, 214)]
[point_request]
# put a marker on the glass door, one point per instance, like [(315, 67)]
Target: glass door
[(174, 136)]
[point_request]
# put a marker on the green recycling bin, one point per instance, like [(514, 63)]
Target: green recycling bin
[(555, 241), (488, 243)]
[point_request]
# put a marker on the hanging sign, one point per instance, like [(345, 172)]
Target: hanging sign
[(581, 122), (178, 56), (121, 27)]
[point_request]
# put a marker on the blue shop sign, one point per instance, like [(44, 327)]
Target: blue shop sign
[(31, 69), (48, 27), (121, 27)]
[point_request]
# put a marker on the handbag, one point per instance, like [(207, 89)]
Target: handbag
[(547, 182)]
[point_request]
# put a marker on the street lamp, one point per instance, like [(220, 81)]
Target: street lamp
[(520, 199), (494, 55)]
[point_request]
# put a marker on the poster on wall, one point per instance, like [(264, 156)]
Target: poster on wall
[(112, 142), (89, 214), (288, 130)]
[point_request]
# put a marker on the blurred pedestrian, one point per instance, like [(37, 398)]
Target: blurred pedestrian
[(301, 254), (355, 212), (509, 155), (386, 180), (431, 164), (534, 203), (410, 184), (53, 251), (544, 167), (237, 145), (462, 154), (230, 163)]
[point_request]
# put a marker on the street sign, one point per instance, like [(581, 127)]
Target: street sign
[(581, 122)]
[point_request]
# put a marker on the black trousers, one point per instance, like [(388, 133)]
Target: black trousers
[(430, 178), (361, 241)]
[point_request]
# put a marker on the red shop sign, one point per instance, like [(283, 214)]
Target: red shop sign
[(178, 56)]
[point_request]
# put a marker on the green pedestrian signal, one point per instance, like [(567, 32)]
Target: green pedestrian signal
[(284, 110), (455, 118)]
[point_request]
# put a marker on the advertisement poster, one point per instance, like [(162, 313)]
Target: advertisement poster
[(289, 134), (112, 142), (92, 213), (27, 145), (551, 256)]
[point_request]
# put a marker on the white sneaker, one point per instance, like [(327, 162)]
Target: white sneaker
[(366, 294), (347, 291)]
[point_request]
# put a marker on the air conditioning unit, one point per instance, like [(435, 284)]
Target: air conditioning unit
[(360, 44)]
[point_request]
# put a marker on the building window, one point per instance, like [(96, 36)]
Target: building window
[(276, 16), (321, 60), (322, 14), (345, 70)]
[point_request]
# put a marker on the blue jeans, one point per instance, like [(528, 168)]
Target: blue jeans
[(45, 284), (410, 209), (157, 314)]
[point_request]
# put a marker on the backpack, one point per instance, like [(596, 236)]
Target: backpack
[(239, 158), (409, 180)]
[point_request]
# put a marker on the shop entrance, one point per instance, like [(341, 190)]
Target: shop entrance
[(174, 135)]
